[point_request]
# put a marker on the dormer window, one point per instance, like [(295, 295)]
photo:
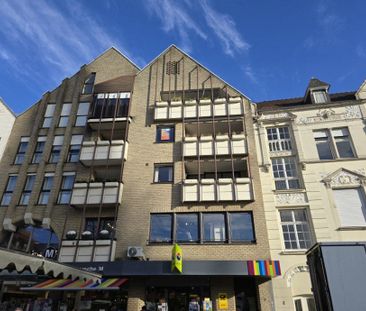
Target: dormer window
[(320, 97)]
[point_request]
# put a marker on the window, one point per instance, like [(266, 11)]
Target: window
[(10, 187), (279, 138), (334, 143), (163, 173), (65, 113), (24, 199), (304, 304), (110, 105), (187, 228), (46, 189), (48, 115), (285, 173), (172, 68), (56, 149), (295, 229), (67, 184), (74, 150), (22, 149), (164, 134), (89, 84), (37, 156), (161, 228), (320, 97), (351, 206), (105, 223), (232, 227), (82, 114), (241, 227)]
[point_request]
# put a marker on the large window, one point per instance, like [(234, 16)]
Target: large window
[(163, 173), (56, 149), (110, 105), (285, 173), (46, 189), (28, 187), (67, 184), (74, 149), (47, 121), (351, 206), (82, 114), (295, 229), (65, 113), (10, 187), (105, 223), (37, 156), (88, 84), (228, 227), (279, 138), (22, 149), (334, 143), (164, 134)]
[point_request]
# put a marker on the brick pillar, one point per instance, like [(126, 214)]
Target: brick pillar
[(223, 285), (265, 296), (136, 295)]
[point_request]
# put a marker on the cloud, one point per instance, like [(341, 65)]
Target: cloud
[(51, 39), (223, 26), (175, 18), (249, 73)]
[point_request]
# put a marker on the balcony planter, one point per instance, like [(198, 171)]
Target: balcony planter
[(235, 99), (87, 235), (71, 235), (205, 101), (220, 100), (161, 103), (176, 103), (190, 102)]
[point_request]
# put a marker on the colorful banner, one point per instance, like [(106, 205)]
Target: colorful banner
[(264, 267), (177, 258)]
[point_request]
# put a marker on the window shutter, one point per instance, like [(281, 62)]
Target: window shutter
[(351, 206)]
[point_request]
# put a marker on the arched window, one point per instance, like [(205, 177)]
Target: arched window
[(30, 239)]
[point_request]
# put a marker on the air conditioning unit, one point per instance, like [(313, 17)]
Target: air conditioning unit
[(135, 252)]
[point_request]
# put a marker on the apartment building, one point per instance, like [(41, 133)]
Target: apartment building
[(312, 158), (7, 118), (117, 165)]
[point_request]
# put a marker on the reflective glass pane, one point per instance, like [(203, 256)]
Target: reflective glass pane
[(161, 228), (241, 227), (187, 228), (214, 227), (344, 148)]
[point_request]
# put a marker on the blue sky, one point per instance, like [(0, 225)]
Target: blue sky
[(268, 49)]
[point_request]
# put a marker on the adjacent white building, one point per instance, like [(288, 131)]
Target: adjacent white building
[(7, 118)]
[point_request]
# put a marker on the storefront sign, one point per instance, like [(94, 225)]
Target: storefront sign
[(223, 303), (177, 258), (50, 253)]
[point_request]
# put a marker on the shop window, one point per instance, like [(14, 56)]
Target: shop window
[(24, 199), (65, 113), (351, 206), (187, 228), (105, 223), (82, 114), (285, 173), (163, 173), (46, 189), (88, 84), (56, 149), (241, 227), (279, 138), (67, 184), (74, 150), (214, 228), (22, 149), (48, 116), (37, 156), (10, 187), (164, 134), (295, 229), (161, 228)]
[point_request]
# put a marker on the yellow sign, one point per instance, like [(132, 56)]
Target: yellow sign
[(177, 258), (223, 303)]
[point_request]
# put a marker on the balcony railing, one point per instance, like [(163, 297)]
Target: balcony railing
[(221, 145), (223, 189), (204, 108), (95, 193), (87, 250), (103, 152)]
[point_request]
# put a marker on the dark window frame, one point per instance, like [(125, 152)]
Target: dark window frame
[(21, 152), (65, 190), (71, 153), (158, 165), (45, 189), (7, 191), (102, 225), (88, 86), (27, 189), (38, 151)]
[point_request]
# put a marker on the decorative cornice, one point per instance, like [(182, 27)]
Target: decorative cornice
[(343, 177), (290, 274), (276, 117), (293, 198)]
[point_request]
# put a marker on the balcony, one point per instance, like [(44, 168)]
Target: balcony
[(96, 193), (208, 146), (204, 108), (103, 152), (222, 189), (82, 250)]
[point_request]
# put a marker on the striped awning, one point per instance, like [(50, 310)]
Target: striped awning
[(264, 267), (77, 285)]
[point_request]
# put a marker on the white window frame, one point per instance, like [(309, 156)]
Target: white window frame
[(320, 96), (286, 178), (279, 144), (304, 302)]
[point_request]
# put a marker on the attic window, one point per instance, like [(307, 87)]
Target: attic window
[(89, 84), (320, 97), (172, 68)]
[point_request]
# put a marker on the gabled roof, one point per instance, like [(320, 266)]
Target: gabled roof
[(316, 83), (7, 107)]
